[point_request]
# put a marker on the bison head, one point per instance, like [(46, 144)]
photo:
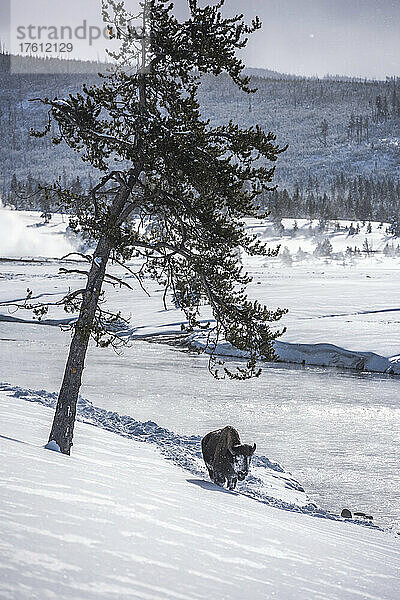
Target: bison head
[(242, 454)]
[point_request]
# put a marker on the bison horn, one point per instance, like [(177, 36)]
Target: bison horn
[(254, 448), (233, 449)]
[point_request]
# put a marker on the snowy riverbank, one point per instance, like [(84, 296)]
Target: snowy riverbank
[(324, 355), (117, 520), (342, 309), (269, 483)]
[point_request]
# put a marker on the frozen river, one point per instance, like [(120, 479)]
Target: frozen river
[(337, 432)]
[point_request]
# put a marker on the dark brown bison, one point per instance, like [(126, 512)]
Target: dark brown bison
[(226, 458)]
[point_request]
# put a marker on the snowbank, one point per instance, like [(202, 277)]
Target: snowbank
[(328, 355), (324, 355), (115, 520)]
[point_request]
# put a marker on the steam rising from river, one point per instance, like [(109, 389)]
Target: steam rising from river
[(23, 235)]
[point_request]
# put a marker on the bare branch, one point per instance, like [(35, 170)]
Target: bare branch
[(85, 256), (117, 281), (136, 275), (65, 271), (27, 305)]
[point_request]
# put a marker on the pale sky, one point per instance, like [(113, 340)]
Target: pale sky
[(305, 37)]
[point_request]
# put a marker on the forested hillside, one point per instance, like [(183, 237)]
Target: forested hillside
[(330, 125), (334, 128), (24, 159)]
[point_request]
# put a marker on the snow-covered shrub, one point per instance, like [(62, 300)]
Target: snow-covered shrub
[(394, 227), (278, 225), (352, 230), (301, 255), (323, 248), (286, 257)]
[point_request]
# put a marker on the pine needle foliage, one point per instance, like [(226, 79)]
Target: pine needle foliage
[(189, 185), (174, 190)]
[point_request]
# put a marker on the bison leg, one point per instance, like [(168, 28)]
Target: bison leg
[(232, 483), (219, 480), (210, 471)]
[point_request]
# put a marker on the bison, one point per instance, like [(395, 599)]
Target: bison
[(226, 458)]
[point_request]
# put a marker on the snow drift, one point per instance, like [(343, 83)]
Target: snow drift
[(115, 520)]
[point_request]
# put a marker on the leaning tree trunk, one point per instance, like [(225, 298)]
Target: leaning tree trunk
[(64, 418)]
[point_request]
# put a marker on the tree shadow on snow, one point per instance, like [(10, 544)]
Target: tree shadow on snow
[(10, 439)]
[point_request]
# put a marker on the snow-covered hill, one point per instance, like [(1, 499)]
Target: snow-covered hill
[(116, 520), (292, 108)]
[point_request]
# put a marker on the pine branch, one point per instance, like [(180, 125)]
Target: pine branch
[(116, 281), (84, 256), (65, 271)]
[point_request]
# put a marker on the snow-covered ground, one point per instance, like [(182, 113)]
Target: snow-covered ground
[(116, 520), (345, 300), (337, 432), (268, 483)]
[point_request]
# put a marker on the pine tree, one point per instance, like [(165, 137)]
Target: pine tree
[(324, 128), (394, 226), (14, 188), (350, 127), (180, 202), (367, 247)]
